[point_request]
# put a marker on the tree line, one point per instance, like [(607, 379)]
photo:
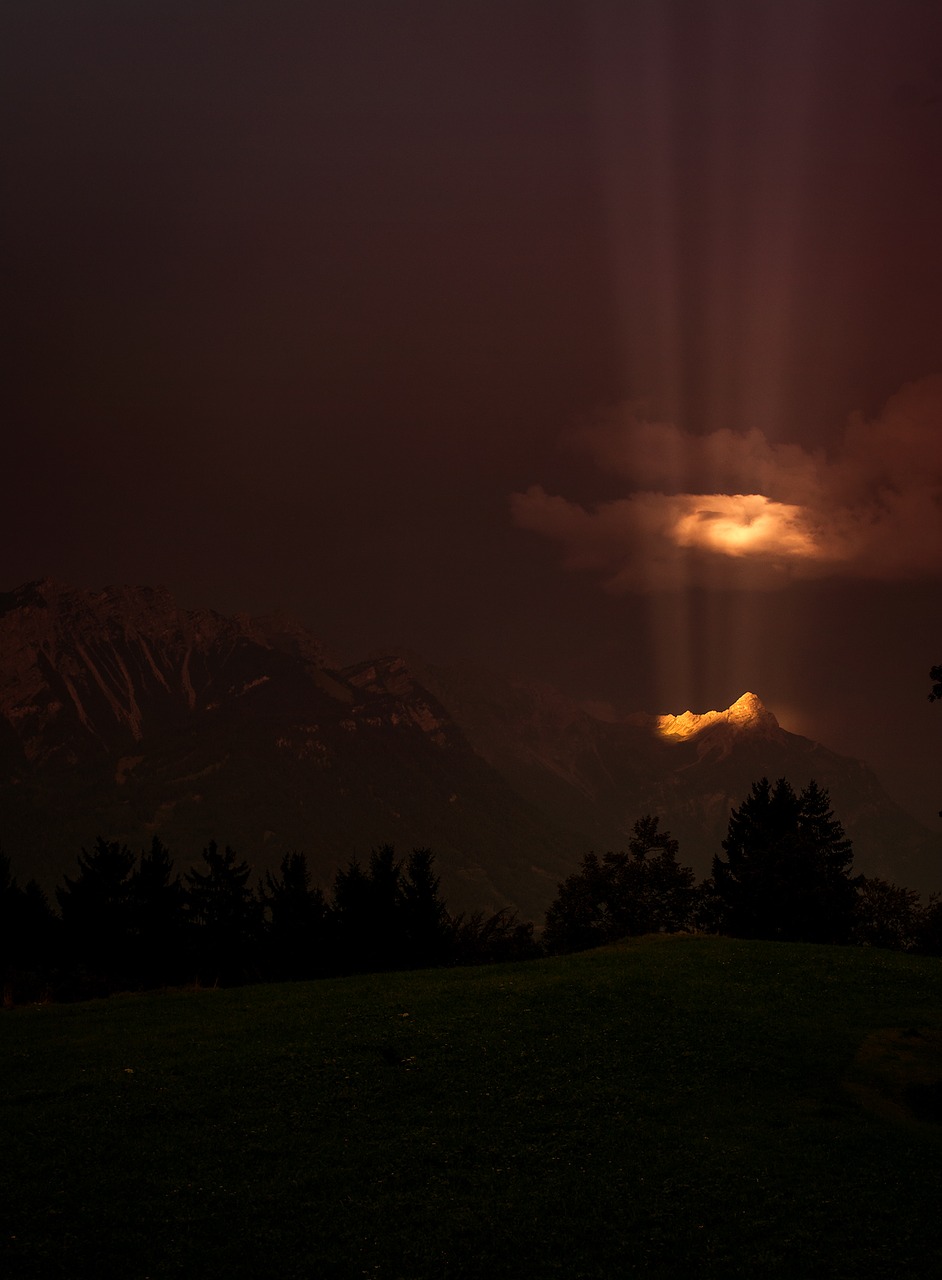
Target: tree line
[(134, 923), (129, 923), (785, 874)]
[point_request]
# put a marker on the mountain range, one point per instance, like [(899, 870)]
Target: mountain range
[(122, 714)]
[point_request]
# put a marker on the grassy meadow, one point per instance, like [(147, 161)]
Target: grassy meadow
[(667, 1107)]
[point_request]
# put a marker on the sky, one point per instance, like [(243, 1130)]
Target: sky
[(600, 343)]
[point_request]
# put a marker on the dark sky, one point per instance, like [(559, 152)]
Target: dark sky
[(600, 342)]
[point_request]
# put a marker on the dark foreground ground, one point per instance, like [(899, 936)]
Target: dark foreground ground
[(673, 1106)]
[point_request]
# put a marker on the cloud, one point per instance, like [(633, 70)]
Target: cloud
[(733, 509)]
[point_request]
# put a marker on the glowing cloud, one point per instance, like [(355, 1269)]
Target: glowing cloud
[(744, 524), (771, 513)]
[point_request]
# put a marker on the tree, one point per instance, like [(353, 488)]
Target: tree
[(157, 900), (390, 917), (642, 891), (666, 893), (225, 918), (97, 913), (929, 933), (786, 871), (887, 915), (428, 938), (28, 938), (492, 939), (935, 674), (365, 903), (299, 921)]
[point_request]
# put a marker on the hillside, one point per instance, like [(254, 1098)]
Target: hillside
[(669, 1107), (122, 714)]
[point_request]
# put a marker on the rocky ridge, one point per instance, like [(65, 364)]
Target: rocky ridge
[(122, 714), (747, 714)]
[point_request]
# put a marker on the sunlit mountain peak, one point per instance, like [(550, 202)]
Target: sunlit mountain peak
[(747, 711)]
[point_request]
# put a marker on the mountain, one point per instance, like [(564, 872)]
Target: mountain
[(123, 715), (596, 776)]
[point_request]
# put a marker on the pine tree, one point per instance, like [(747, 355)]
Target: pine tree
[(369, 917), (10, 927), (390, 917), (786, 871), (225, 919), (299, 928), (97, 917), (28, 938), (157, 918), (426, 926), (352, 913)]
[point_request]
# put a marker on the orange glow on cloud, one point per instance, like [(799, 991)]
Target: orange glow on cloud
[(744, 524), (774, 512)]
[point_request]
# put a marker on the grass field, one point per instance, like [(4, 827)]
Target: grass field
[(668, 1107)]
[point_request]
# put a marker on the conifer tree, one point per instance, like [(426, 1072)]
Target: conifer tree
[(28, 938), (97, 917), (389, 916), (224, 918), (786, 871), (10, 926), (157, 917), (369, 917), (352, 914), (426, 926), (298, 934)]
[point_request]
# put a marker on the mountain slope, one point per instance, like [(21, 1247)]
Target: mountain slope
[(596, 776), (124, 715)]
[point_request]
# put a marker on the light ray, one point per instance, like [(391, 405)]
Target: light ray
[(715, 192)]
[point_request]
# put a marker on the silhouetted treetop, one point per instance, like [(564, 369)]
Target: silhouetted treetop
[(642, 891), (786, 871), (935, 675), (299, 931), (225, 916), (96, 907)]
